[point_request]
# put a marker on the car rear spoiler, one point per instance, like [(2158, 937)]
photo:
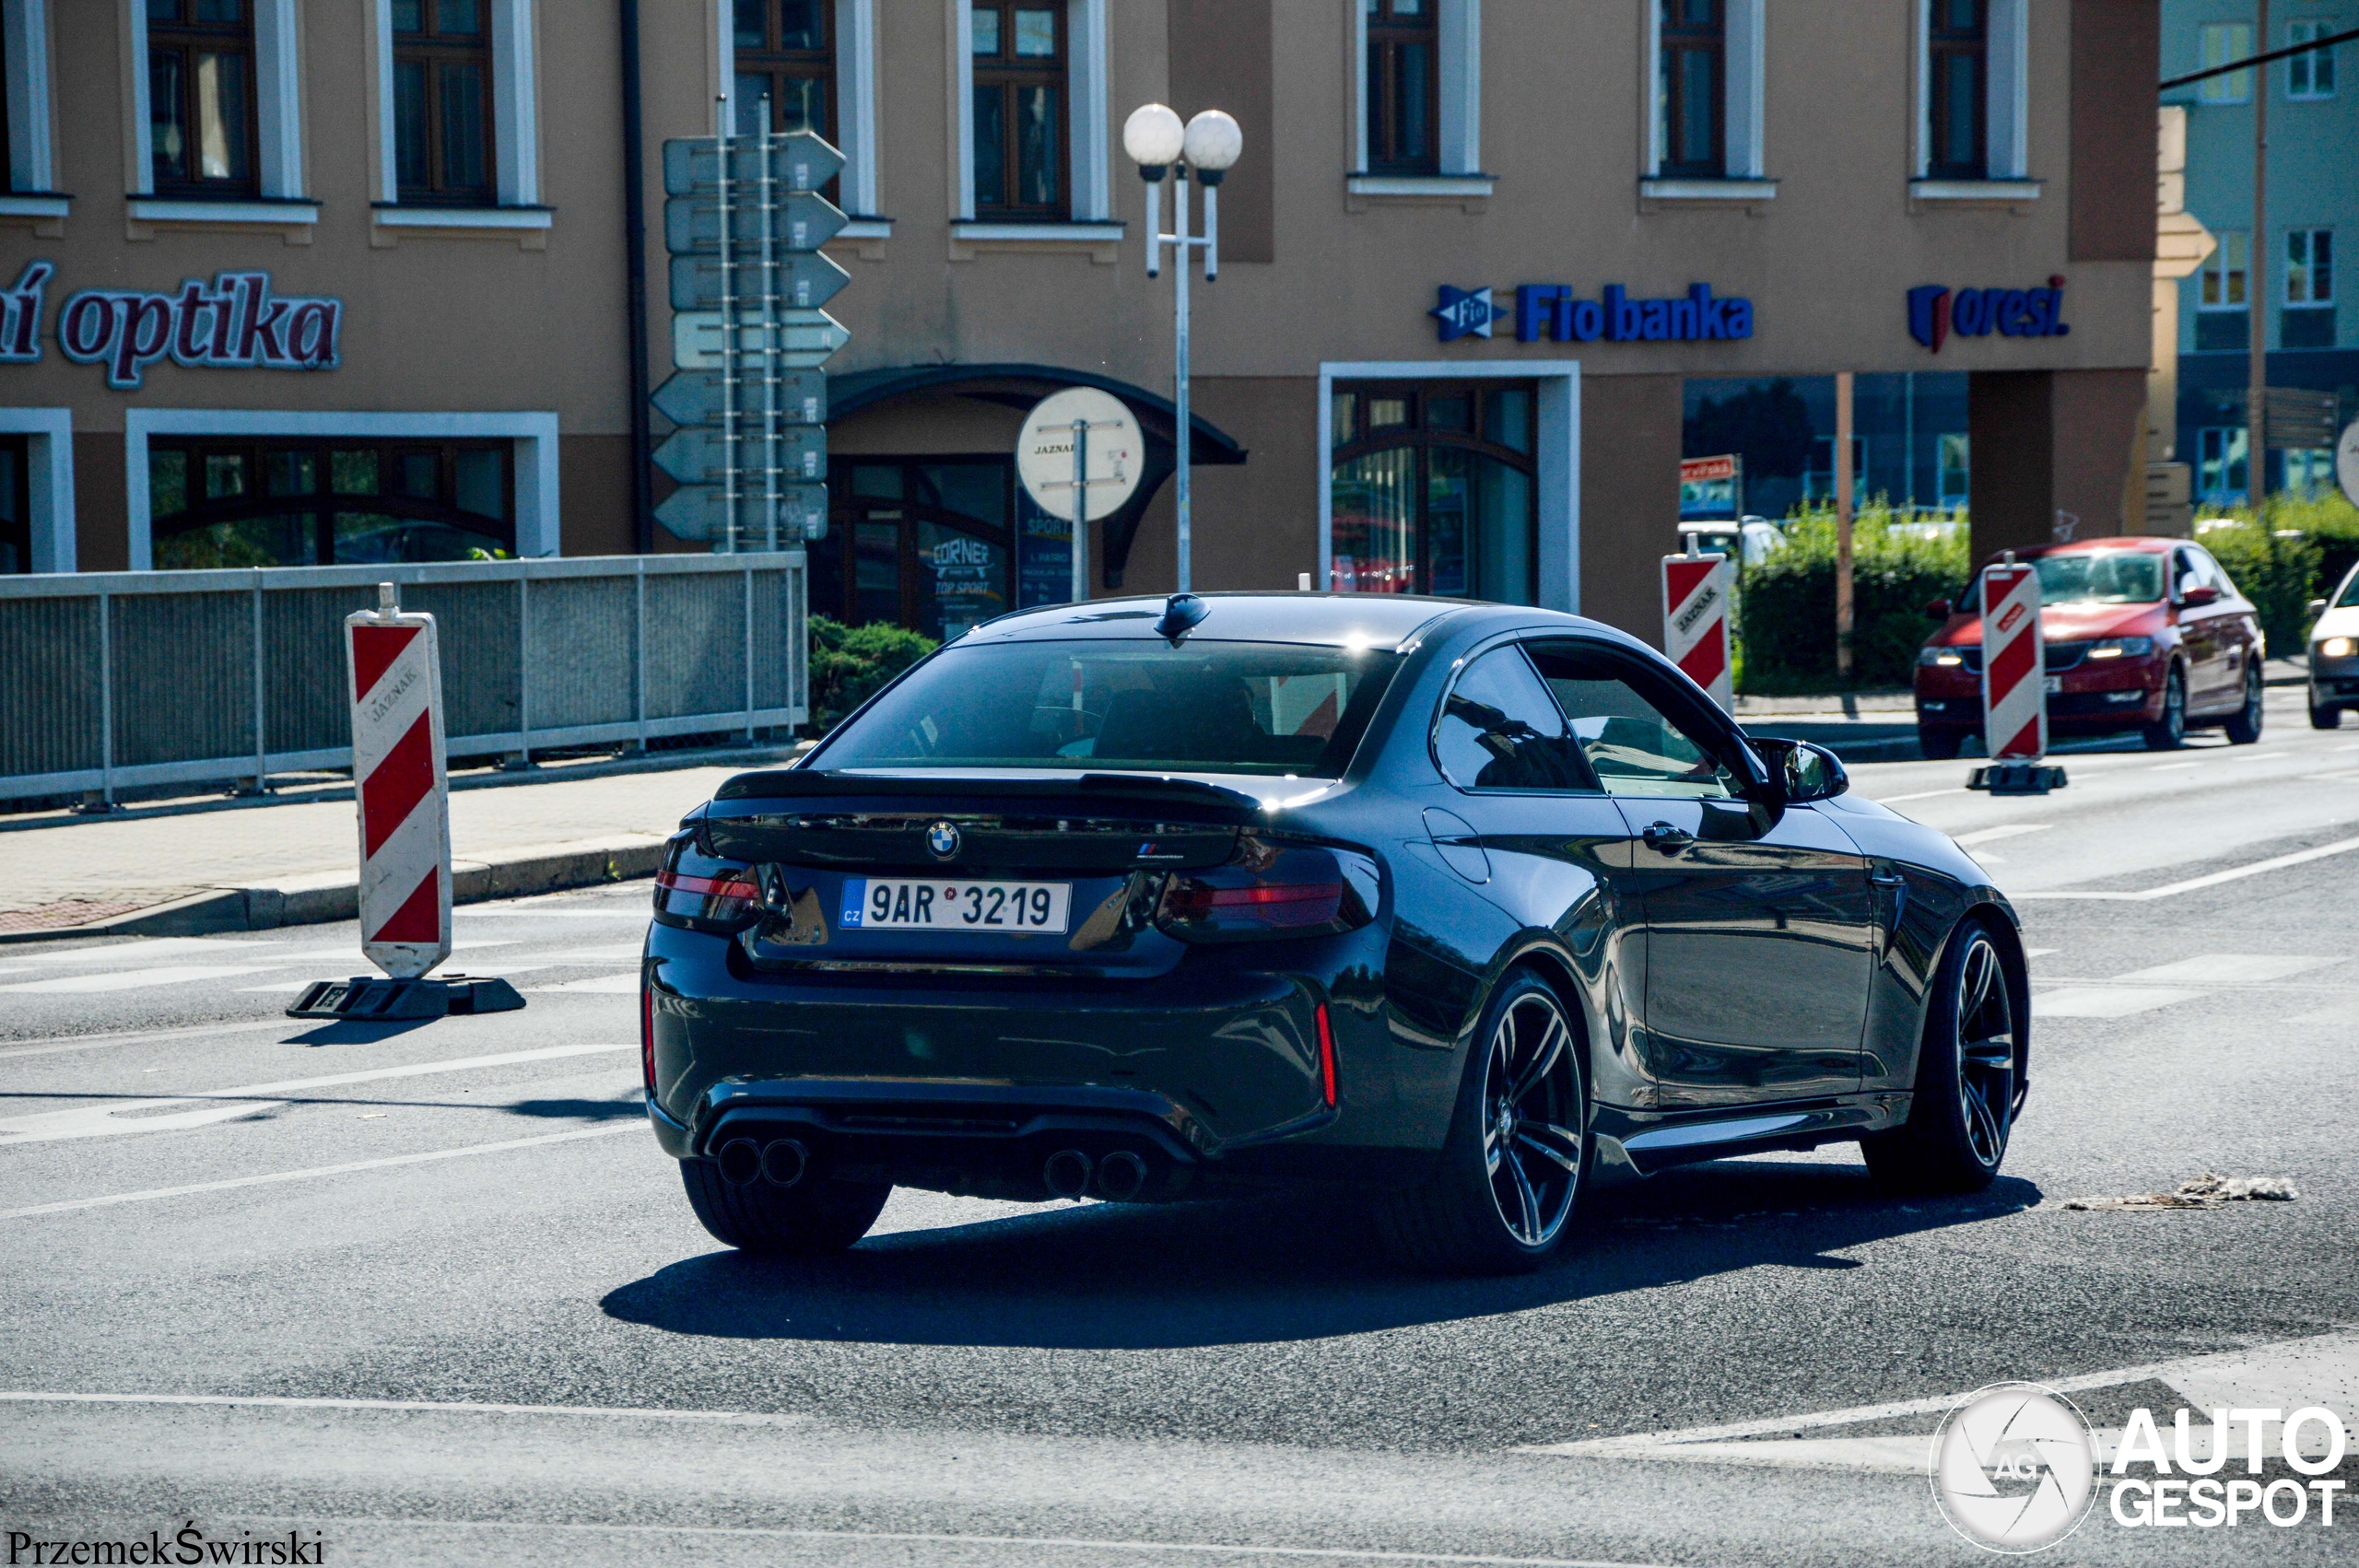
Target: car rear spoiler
[(1086, 794)]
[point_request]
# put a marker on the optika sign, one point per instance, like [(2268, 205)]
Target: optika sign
[(236, 324), (1935, 312)]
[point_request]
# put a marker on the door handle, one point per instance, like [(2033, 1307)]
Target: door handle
[(1881, 880), (1669, 839)]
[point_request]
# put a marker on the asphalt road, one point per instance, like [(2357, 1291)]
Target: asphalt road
[(431, 1294)]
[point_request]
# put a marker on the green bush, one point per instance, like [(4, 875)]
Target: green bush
[(2280, 575), (1788, 601), (848, 664)]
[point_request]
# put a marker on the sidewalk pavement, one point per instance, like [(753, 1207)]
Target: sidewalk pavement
[(257, 865)]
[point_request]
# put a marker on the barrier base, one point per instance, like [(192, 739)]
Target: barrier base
[(2016, 779), (375, 999)]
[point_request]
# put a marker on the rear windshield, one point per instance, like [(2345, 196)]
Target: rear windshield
[(1277, 708)]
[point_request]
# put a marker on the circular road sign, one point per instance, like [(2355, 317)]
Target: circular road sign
[(1044, 452), (2346, 462)]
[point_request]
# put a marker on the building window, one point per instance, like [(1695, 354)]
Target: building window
[(201, 133), (1691, 89), (1021, 139), (1958, 72), (1404, 103), (442, 102), (8, 95), (2223, 42), (232, 502), (925, 543), (1818, 480), (2309, 266), (2309, 76), (1953, 472), (1432, 490), (784, 51), (15, 505), (2223, 272), (2220, 464)]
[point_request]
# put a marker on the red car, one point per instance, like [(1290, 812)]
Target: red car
[(2141, 634)]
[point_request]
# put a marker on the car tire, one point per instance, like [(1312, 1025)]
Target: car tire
[(2169, 733), (2326, 717), (1940, 745), (813, 1216), (1963, 1112), (2243, 725), (1480, 1211)]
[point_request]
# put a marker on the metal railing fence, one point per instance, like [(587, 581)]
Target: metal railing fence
[(123, 680)]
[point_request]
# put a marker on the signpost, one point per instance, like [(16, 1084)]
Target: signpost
[(2346, 462), (1079, 456), (402, 797), (1711, 486), (2014, 684), (744, 221)]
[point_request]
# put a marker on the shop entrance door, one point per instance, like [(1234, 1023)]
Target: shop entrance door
[(922, 542)]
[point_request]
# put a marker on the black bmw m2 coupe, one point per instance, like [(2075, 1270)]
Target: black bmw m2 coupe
[(1462, 908)]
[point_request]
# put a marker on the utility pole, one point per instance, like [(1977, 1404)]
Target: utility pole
[(2257, 280), (1843, 523)]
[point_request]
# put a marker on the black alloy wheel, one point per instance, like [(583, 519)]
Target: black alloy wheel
[(1518, 1153), (2326, 717), (814, 1215), (2169, 733), (2243, 725), (1963, 1112)]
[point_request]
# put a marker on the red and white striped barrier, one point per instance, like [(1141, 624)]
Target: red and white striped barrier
[(1695, 593), (2014, 666), (401, 785)]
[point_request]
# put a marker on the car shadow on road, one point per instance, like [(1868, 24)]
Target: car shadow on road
[(1116, 1276)]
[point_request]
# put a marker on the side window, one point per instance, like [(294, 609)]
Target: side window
[(2186, 571), (1630, 743), (1500, 729), (2210, 571)]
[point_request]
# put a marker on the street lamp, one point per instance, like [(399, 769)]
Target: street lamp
[(1209, 144)]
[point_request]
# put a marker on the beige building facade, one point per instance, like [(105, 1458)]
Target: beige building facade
[(1472, 253)]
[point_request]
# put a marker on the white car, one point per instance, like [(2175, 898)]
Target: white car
[(2334, 654)]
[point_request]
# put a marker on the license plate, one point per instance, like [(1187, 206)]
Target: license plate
[(2051, 683), (911, 904)]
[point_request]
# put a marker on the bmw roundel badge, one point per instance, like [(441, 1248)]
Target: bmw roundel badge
[(942, 839)]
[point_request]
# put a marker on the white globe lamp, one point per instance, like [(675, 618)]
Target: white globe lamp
[(1154, 138), (1211, 144)]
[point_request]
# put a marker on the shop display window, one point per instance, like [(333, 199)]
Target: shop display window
[(232, 502)]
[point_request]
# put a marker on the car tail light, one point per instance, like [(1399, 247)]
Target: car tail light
[(1326, 1056), (694, 889), (1267, 889)]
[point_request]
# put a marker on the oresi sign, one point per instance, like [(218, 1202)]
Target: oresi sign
[(1935, 312), (236, 324)]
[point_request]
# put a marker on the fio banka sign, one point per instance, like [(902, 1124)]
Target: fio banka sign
[(1550, 310), (237, 324)]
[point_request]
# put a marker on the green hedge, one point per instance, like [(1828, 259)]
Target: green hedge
[(2296, 552), (848, 664), (1787, 602)]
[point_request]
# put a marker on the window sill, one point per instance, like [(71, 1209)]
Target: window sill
[(398, 215), (1655, 192), (266, 213), (1948, 193), (1101, 242), (1442, 187), (34, 205)]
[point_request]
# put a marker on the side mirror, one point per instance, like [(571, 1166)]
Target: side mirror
[(1939, 609), (2201, 595), (2318, 607), (1801, 771)]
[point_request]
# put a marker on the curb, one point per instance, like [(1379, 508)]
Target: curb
[(336, 895)]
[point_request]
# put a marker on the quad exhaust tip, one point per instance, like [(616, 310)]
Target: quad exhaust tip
[(1065, 1174), (784, 1160), (741, 1162), (1120, 1175)]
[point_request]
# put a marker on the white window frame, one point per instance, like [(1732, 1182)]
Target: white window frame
[(1743, 48), (515, 129), (1557, 453), (2216, 265), (535, 434), (2225, 88), (2006, 117), (48, 482), (2309, 266), (856, 117), (1089, 133), (32, 175), (278, 127), (1458, 27), (2305, 32)]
